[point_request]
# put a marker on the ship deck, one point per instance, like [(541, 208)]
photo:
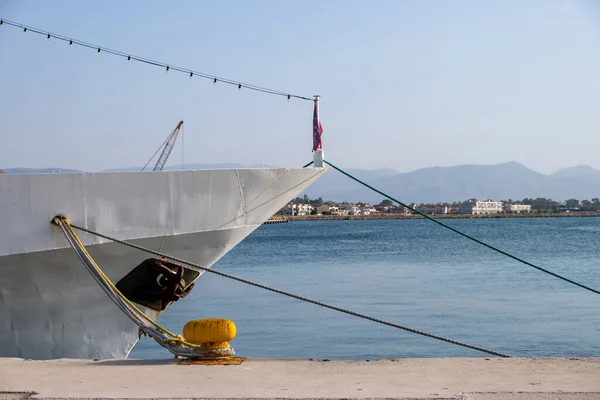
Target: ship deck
[(457, 378)]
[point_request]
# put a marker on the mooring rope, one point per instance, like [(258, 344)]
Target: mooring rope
[(198, 267), (176, 344), (489, 246)]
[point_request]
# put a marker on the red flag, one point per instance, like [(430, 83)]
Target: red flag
[(317, 129)]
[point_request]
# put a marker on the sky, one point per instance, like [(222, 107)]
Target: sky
[(403, 84)]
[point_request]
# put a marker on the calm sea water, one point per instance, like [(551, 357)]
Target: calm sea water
[(411, 272)]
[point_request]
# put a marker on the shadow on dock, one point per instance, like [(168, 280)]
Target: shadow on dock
[(128, 362)]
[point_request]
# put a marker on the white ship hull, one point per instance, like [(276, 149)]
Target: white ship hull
[(50, 306)]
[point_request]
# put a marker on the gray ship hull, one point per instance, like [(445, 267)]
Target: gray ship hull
[(50, 306)]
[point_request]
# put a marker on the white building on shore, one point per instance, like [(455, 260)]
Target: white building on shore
[(298, 209), (481, 207), (518, 208)]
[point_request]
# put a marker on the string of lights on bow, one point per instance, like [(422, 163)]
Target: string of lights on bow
[(167, 67)]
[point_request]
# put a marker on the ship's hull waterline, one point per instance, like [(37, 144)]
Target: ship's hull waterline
[(51, 307)]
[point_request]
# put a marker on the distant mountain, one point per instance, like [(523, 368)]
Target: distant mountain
[(138, 168), (576, 171), (38, 170), (333, 184), (509, 180)]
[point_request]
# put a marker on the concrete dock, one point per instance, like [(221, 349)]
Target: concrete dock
[(462, 378)]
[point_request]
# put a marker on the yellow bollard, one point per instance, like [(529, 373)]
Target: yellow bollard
[(211, 334)]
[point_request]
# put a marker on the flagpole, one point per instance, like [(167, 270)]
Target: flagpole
[(318, 152)]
